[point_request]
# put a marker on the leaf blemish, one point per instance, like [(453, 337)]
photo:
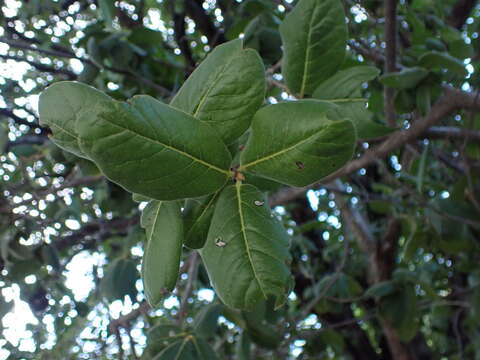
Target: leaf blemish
[(300, 165), (219, 242)]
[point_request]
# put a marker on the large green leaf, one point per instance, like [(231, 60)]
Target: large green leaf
[(246, 253), (225, 90), (145, 146), (161, 260), (314, 37), (62, 104), (197, 216), (304, 144), (346, 83), (154, 150)]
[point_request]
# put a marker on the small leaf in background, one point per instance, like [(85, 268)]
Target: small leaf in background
[(401, 310), (119, 280), (107, 8), (381, 289), (251, 262), (225, 90), (314, 36), (161, 260), (435, 60), (206, 321), (304, 144), (346, 83), (406, 79)]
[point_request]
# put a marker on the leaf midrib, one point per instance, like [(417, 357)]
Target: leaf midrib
[(278, 153), (238, 186), (171, 148), (307, 54), (203, 99)]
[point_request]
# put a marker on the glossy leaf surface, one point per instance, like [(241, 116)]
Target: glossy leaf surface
[(304, 144), (246, 253), (225, 90), (154, 150), (161, 260), (314, 36)]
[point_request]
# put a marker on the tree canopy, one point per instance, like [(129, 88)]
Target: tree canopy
[(248, 179)]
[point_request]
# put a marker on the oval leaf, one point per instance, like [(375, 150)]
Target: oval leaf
[(225, 90), (161, 260), (154, 150), (439, 60), (304, 145), (246, 253), (314, 37)]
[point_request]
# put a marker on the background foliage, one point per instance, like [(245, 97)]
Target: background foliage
[(385, 254)]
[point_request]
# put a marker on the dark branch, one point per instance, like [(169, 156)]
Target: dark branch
[(390, 58), (460, 12)]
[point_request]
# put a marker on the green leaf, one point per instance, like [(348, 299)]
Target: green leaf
[(242, 348), (401, 310), (197, 216), (406, 79), (304, 144), (62, 104), (206, 320), (119, 280), (346, 83), (129, 141), (225, 90), (108, 11), (440, 61), (381, 289), (362, 119), (246, 253), (190, 348), (161, 260), (314, 37)]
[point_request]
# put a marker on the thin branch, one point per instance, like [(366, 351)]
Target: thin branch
[(125, 320), (41, 67), (452, 132), (390, 58)]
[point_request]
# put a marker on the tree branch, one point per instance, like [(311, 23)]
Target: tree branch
[(460, 12), (451, 100)]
